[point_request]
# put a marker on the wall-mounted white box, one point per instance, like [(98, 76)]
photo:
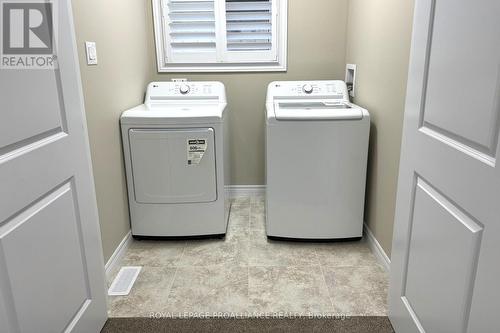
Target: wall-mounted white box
[(350, 78)]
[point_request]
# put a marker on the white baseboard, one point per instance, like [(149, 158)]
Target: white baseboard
[(377, 249), (117, 256), (235, 191)]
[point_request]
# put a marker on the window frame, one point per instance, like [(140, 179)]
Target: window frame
[(225, 61)]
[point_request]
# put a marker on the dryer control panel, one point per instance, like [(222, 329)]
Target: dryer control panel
[(168, 92), (333, 89)]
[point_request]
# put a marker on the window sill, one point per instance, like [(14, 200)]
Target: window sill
[(221, 68)]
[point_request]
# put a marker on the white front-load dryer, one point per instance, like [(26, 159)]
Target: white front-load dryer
[(316, 157), (176, 154)]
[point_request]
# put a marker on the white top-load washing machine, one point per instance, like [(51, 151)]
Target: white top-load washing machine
[(316, 157), (176, 160)]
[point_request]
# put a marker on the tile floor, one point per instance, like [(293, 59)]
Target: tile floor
[(247, 275)]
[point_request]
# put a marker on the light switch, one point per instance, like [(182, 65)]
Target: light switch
[(91, 53)]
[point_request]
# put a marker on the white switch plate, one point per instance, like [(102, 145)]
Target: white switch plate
[(91, 53)]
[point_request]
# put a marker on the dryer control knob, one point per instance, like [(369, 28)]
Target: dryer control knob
[(307, 88), (184, 89)]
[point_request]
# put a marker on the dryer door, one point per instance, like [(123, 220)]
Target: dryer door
[(173, 165)]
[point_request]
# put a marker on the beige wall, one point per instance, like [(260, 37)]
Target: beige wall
[(120, 29), (378, 42), (316, 50)]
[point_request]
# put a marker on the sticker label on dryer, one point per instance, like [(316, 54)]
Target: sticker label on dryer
[(196, 148)]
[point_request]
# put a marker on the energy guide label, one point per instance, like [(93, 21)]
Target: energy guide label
[(196, 148)]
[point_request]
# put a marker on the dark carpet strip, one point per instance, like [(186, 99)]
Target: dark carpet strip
[(316, 325)]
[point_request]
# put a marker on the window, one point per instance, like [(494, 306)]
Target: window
[(220, 35)]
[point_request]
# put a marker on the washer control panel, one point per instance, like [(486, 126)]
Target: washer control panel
[(185, 91), (334, 89)]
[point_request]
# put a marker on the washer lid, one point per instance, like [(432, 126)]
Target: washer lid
[(316, 110)]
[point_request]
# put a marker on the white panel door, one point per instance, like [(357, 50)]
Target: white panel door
[(51, 264), (445, 271)]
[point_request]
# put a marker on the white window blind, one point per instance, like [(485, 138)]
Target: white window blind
[(191, 30), (249, 25), (226, 35)]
